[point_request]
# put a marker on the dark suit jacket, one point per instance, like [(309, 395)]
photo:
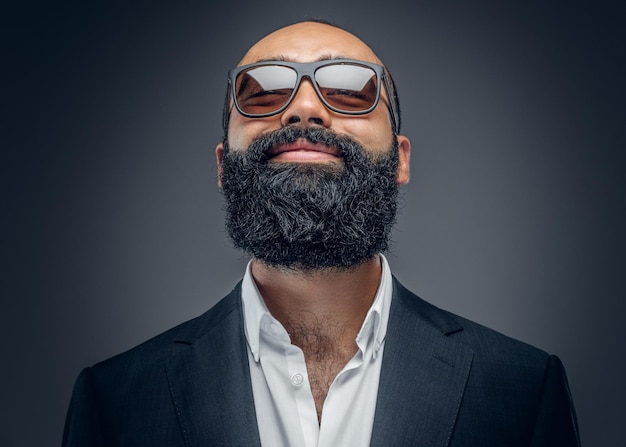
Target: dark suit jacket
[(445, 381)]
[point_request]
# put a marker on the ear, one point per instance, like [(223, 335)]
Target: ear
[(404, 157), (219, 155)]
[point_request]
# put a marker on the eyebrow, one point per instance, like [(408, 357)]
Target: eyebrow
[(283, 58)]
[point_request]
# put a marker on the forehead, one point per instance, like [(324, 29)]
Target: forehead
[(309, 41)]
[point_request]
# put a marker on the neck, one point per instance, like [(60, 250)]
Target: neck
[(322, 300)]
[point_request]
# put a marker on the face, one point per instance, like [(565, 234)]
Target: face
[(310, 188), (308, 42)]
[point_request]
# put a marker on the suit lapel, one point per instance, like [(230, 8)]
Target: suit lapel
[(423, 375), (209, 379)]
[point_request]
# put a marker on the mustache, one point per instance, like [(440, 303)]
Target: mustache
[(260, 148)]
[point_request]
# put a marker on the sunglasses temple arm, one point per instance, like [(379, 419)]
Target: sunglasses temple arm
[(395, 117)]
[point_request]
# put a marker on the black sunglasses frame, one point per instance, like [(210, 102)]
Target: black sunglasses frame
[(307, 70)]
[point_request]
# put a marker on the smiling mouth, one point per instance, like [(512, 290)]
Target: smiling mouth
[(304, 151)]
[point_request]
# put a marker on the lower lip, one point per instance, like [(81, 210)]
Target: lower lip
[(304, 156)]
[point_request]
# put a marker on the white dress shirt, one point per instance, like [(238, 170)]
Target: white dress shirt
[(283, 400)]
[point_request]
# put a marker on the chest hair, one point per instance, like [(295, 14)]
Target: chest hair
[(327, 349)]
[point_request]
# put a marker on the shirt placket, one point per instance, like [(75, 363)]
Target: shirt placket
[(293, 374), (299, 379)]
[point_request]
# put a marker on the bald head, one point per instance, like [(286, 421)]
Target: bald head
[(310, 41)]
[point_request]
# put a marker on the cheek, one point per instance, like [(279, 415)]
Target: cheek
[(241, 131), (373, 134)]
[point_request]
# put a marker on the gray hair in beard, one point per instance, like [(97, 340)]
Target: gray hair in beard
[(310, 216)]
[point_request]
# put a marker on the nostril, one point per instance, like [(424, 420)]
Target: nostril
[(294, 119)]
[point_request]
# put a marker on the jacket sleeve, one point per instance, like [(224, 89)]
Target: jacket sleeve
[(82, 424), (555, 422)]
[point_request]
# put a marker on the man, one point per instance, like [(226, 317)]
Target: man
[(319, 345)]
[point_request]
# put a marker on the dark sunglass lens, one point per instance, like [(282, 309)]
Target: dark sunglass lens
[(349, 88), (264, 89)]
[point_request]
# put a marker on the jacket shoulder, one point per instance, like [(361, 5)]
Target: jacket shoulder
[(487, 344), (515, 393)]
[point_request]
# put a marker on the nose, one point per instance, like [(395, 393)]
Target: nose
[(306, 108)]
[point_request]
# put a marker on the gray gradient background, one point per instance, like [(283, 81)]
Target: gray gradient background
[(112, 225)]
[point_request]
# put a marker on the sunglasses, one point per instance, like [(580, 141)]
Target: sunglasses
[(344, 86)]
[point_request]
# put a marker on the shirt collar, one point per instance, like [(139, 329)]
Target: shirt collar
[(373, 330)]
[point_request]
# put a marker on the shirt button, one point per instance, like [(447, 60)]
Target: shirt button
[(297, 379)]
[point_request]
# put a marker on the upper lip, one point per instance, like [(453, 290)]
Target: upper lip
[(304, 145)]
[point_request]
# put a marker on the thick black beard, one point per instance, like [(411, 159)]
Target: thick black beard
[(310, 216)]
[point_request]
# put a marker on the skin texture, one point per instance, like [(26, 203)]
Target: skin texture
[(326, 305)]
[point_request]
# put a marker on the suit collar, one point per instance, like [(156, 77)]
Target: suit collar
[(209, 379), (423, 375)]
